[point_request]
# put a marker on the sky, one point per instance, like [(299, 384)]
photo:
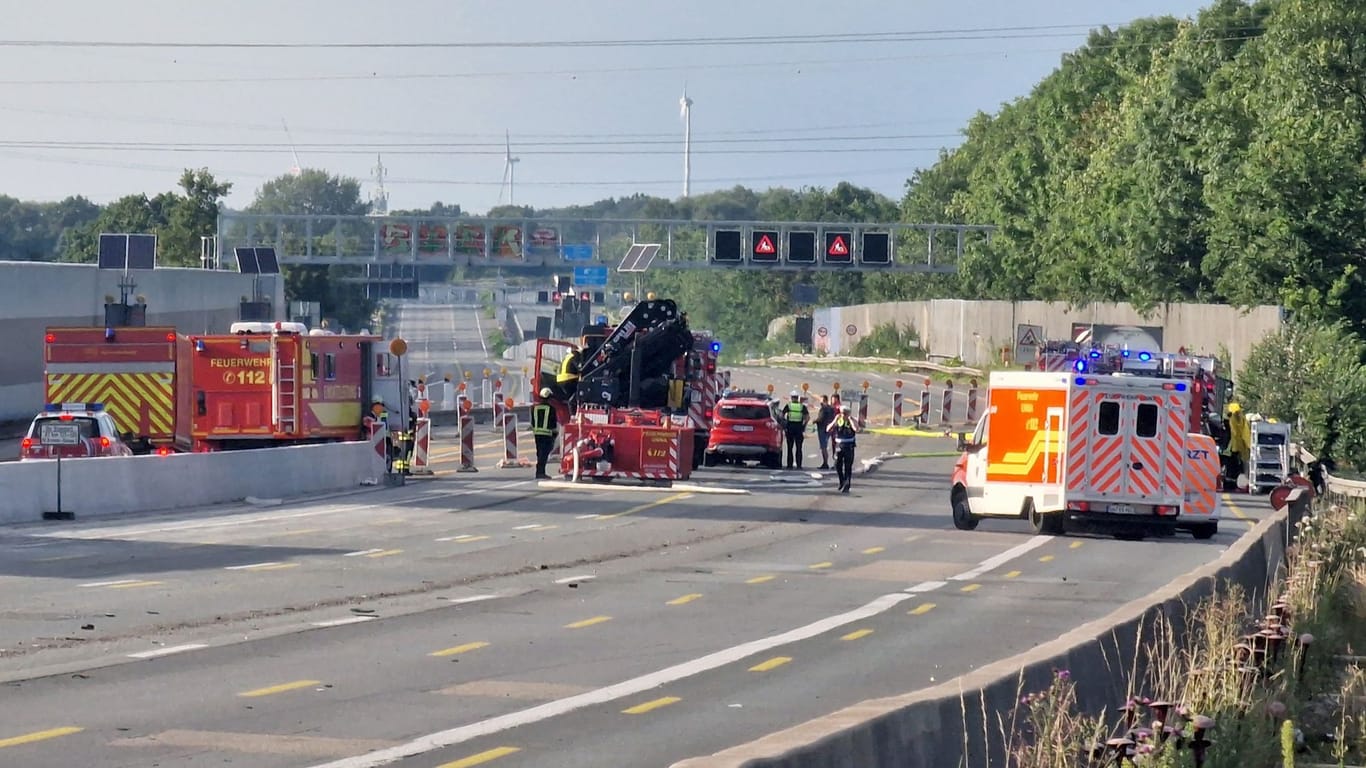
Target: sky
[(793, 93)]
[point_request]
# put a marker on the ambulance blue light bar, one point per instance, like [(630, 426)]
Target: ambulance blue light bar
[(60, 407)]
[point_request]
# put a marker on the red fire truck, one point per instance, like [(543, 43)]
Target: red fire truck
[(261, 385)]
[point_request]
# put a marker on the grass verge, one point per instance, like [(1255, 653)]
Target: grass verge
[(1241, 689)]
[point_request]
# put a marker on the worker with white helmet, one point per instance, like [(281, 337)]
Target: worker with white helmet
[(544, 424), (795, 418), (843, 430)]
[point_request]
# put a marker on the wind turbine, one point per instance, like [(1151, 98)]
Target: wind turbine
[(509, 171), (685, 111), (296, 169)]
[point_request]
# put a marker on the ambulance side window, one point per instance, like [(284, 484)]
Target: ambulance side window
[(1108, 423), (1146, 425)]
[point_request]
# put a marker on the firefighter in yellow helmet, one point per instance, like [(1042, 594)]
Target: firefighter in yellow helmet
[(543, 427)]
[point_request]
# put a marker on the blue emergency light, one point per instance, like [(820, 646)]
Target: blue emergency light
[(716, 347), (1145, 356), (1095, 354), (199, 345), (59, 407), (1080, 366)]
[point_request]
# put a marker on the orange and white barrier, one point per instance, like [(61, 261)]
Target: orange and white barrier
[(862, 410), (422, 444), (379, 441), (510, 458), (896, 405), (947, 404), (499, 406), (972, 401), (924, 416), (466, 436)]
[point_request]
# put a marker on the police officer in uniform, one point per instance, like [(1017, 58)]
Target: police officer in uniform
[(795, 419), (543, 427), (844, 432)]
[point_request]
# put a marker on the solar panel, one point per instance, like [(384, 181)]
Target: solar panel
[(142, 251), (629, 260), (267, 261), (246, 261), (639, 257), (113, 251)]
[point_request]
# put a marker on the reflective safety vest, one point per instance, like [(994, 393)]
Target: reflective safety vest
[(844, 430), (541, 414), (795, 412)]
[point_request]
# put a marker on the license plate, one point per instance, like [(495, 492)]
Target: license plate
[(743, 428), (1120, 509)]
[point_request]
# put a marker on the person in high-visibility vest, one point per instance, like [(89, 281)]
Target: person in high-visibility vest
[(795, 418), (843, 430), (543, 427), (568, 377)]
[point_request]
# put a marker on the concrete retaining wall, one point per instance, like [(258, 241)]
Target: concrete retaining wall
[(37, 295), (956, 723), (975, 331), (108, 486)]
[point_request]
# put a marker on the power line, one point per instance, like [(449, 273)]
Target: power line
[(969, 33), (569, 151), (446, 145)]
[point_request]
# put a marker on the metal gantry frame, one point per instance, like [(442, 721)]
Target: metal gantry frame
[(565, 242)]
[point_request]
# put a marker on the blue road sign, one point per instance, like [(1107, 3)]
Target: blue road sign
[(583, 252), (585, 277)]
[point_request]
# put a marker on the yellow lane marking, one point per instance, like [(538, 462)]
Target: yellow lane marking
[(1074, 545), (922, 609), (874, 550), (650, 706), (857, 634), (650, 505), (1234, 508), (685, 599), (299, 532), (758, 579), (29, 738), (391, 521), (588, 622), (459, 649), (134, 584), (914, 537), (481, 758), (972, 587), (464, 539), (271, 567), (281, 688), (1012, 574), (818, 566), (1045, 558), (773, 663), (385, 553)]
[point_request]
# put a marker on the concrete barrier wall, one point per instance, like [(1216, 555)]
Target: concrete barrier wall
[(975, 331), (959, 722), (37, 295), (108, 486)]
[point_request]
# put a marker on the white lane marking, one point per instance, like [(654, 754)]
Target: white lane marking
[(928, 586), (479, 328), (194, 525), (474, 599), (110, 583), (461, 537), (246, 567), (996, 561), (362, 552), (569, 579), (167, 651), (630, 687), (526, 527), (343, 622), (586, 517)]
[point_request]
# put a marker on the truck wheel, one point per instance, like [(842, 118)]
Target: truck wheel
[(773, 460), (1047, 525), (709, 459), (963, 519), (1204, 530)]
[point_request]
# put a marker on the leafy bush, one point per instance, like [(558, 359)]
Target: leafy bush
[(1310, 375), (888, 340)]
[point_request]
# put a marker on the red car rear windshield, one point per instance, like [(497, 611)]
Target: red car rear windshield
[(739, 412)]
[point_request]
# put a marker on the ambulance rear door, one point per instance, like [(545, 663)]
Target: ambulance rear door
[(1127, 446)]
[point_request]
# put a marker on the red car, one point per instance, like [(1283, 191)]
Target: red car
[(745, 428), (92, 430)]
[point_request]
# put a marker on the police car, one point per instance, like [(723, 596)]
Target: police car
[(73, 430)]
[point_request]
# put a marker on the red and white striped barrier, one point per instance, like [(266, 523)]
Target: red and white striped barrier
[(947, 404), (896, 405), (379, 440), (972, 401), (499, 406), (924, 416), (422, 444), (466, 436), (510, 459), (862, 410)]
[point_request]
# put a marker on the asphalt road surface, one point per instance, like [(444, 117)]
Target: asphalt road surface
[(480, 618), (449, 339)]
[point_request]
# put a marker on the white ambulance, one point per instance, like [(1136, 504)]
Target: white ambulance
[(1072, 449)]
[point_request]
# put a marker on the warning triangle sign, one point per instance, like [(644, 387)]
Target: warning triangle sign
[(838, 247), (765, 246), (1028, 339)]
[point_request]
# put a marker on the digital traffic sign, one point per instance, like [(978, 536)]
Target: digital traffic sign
[(876, 248), (727, 246), (801, 247), (839, 247), (764, 246)]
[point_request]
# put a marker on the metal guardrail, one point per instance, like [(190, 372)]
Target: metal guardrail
[(1338, 488), (910, 365)]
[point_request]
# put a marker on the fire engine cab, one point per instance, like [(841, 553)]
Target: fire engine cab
[(1109, 451)]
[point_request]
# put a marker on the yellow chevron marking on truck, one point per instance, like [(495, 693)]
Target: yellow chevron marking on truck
[(124, 396)]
